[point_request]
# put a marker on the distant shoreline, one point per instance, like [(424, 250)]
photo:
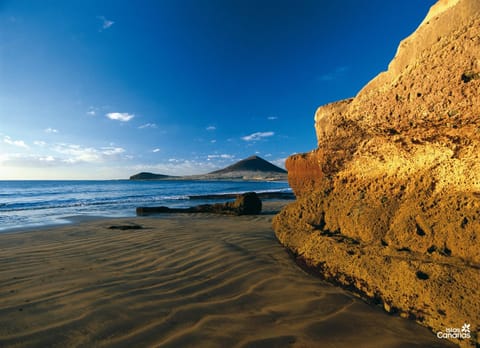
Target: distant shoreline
[(207, 177), (251, 168)]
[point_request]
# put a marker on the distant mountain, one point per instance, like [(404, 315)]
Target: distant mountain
[(251, 168), (251, 164), (150, 176)]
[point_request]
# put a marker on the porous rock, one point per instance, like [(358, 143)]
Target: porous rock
[(388, 205)]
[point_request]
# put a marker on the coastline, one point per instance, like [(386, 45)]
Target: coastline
[(29, 204), (194, 280), (269, 199)]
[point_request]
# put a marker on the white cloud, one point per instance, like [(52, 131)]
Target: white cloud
[(213, 141), (211, 128), (147, 125), (77, 153), (271, 118), (47, 159), (18, 143), (51, 130), (28, 160), (223, 156), (92, 111), (106, 23), (156, 150), (257, 136), (120, 116), (280, 162), (110, 150)]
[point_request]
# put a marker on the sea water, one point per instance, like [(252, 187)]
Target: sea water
[(26, 204)]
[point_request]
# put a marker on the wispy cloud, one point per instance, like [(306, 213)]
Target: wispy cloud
[(120, 116), (222, 156), (106, 23), (156, 150), (280, 162), (61, 159), (17, 143), (28, 160), (337, 73), (272, 118), (147, 125), (51, 130), (92, 111), (211, 128), (77, 153), (111, 150), (257, 136)]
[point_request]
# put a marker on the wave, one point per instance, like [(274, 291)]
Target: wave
[(265, 194), (27, 206), (25, 203)]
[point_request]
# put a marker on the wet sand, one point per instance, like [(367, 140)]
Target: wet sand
[(185, 280)]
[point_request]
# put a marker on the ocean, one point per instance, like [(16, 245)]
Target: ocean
[(26, 204)]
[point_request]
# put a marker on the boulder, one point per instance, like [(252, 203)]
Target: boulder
[(246, 204)]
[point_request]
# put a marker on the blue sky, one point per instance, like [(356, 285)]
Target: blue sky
[(106, 89)]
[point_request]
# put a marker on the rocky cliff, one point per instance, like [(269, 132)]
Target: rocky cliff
[(388, 205)]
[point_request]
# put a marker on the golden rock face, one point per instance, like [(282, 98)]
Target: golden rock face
[(389, 202)]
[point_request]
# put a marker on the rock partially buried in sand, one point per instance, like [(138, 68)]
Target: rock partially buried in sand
[(124, 227), (388, 205), (245, 204)]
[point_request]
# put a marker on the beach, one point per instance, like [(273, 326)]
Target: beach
[(179, 280)]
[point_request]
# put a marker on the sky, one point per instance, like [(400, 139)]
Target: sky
[(94, 89)]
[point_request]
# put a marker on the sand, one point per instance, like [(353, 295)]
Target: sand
[(178, 281)]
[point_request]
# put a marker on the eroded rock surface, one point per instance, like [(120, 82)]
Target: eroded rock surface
[(389, 203)]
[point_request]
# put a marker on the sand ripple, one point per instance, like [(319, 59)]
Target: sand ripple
[(180, 281)]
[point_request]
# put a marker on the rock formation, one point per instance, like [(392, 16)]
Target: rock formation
[(245, 204), (388, 205)]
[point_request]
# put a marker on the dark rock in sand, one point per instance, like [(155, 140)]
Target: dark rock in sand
[(245, 204), (126, 227)]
